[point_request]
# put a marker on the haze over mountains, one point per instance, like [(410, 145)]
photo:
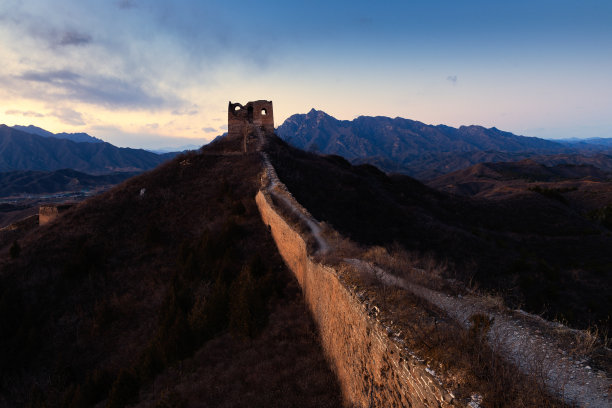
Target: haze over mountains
[(426, 151), (26, 151)]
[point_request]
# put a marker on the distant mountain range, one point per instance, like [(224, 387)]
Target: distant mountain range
[(592, 142), (75, 137), (20, 150), (40, 182), (429, 166), (169, 149), (417, 149)]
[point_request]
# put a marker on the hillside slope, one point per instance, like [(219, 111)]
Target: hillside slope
[(165, 290), (534, 250), (585, 185), (38, 182), (25, 151)]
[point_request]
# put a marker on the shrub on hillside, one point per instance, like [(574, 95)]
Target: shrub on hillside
[(15, 250), (552, 193), (247, 309), (603, 216), (124, 390)]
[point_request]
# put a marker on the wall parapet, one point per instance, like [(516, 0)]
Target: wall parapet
[(372, 365)]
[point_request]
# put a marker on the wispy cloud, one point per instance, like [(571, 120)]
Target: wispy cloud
[(94, 89), (69, 116), (209, 129), (54, 37), (126, 4), (120, 137), (452, 79), (74, 38), (30, 114), (60, 76), (185, 112)]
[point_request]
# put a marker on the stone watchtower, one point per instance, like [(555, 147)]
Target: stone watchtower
[(250, 122)]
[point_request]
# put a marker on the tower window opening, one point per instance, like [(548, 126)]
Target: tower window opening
[(236, 108), (264, 112)]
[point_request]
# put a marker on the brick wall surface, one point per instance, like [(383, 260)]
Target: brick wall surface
[(373, 368)]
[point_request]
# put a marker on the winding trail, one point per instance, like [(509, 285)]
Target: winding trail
[(534, 354), (279, 190)]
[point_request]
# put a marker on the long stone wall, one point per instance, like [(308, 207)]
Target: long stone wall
[(372, 366)]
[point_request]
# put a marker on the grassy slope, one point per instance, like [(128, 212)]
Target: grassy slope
[(127, 285)]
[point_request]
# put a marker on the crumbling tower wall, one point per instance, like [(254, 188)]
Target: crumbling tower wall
[(49, 212), (242, 120)]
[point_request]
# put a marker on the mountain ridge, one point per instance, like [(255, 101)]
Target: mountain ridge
[(79, 137), (25, 151), (414, 148), (400, 130)]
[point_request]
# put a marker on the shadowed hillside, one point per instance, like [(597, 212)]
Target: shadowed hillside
[(166, 290), (534, 250), (38, 182), (585, 189)]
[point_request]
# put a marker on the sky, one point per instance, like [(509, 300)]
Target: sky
[(160, 73)]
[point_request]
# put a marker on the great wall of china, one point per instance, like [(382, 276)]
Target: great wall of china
[(373, 365), (368, 353)]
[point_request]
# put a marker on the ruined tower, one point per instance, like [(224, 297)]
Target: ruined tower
[(249, 121)]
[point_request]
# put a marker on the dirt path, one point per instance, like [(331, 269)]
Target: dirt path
[(278, 189), (532, 352)]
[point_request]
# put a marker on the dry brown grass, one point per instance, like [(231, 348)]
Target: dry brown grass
[(421, 269), (283, 367), (462, 357), (539, 254), (100, 302)]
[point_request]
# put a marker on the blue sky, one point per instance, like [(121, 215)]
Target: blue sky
[(159, 73)]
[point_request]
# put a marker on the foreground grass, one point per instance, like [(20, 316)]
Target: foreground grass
[(130, 286)]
